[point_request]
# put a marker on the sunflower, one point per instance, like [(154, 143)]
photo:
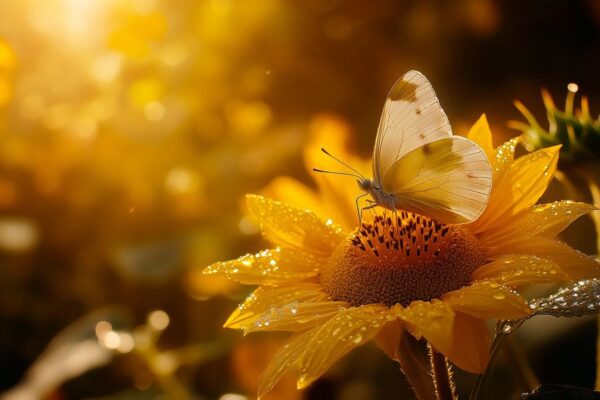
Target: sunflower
[(337, 288)]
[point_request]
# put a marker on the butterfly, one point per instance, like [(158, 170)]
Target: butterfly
[(418, 165)]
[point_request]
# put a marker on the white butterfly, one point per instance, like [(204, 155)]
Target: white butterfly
[(418, 165)]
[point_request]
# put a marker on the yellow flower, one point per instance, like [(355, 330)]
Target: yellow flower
[(339, 288)]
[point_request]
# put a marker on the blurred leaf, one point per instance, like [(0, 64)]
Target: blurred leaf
[(71, 353)]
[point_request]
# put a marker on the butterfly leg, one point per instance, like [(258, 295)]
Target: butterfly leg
[(369, 207), (372, 204), (358, 209)]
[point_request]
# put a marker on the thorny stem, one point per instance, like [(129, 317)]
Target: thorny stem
[(442, 376), (415, 366)]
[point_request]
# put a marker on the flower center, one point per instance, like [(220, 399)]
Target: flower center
[(399, 258)]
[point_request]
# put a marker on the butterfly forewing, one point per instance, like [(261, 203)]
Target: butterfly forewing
[(448, 179), (411, 117)]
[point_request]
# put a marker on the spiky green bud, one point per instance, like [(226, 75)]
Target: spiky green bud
[(576, 130)]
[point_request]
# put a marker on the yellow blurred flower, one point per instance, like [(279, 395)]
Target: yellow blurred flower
[(337, 288), (7, 65), (335, 195), (8, 58), (137, 33)]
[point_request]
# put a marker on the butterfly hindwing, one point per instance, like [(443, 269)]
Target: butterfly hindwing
[(411, 117), (448, 179)]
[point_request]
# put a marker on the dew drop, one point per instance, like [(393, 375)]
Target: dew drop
[(498, 296)]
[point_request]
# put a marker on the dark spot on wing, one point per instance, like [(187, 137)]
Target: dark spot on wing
[(418, 111), (422, 135), (426, 149), (404, 91)]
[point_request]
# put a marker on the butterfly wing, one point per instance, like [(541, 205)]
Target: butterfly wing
[(411, 117), (449, 180)]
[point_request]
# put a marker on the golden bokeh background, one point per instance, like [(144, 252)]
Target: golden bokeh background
[(131, 129)]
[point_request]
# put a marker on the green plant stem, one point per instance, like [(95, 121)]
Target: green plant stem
[(442, 377), (527, 377), (590, 174), (475, 392), (595, 191)]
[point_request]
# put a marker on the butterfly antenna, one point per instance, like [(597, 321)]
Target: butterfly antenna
[(341, 162), (337, 173)]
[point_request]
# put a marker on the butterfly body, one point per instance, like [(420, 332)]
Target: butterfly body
[(380, 196), (418, 165)]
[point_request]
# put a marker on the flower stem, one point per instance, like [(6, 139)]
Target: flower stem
[(442, 376)]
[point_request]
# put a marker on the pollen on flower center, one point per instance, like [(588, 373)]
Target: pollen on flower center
[(401, 257)]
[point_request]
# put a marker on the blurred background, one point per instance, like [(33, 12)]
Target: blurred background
[(131, 129)]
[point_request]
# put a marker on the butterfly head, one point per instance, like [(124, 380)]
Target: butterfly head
[(365, 184), (380, 197)]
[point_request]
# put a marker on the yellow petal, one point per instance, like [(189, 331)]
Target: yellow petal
[(546, 220), (575, 264), (269, 266), (285, 358), (481, 134), (488, 300), (520, 269), (202, 286), (294, 193), (504, 156), (296, 316), (267, 305), (462, 339), (348, 329), (501, 163), (432, 320), (471, 346), (295, 228), (341, 196), (525, 182)]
